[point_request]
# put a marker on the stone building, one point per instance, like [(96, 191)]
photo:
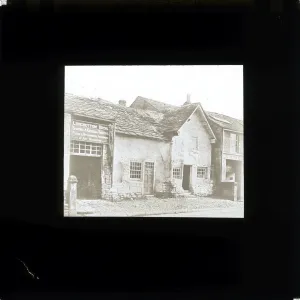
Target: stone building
[(117, 151), (191, 139), (227, 154), (226, 161)]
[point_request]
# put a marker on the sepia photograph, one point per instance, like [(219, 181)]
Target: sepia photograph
[(154, 141)]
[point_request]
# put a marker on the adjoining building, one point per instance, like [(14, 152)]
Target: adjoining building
[(227, 154), (116, 151)]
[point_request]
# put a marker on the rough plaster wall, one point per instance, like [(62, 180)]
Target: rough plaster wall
[(182, 144), (67, 137), (106, 174), (183, 154), (134, 149)]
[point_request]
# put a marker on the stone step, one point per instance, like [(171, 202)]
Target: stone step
[(186, 195)]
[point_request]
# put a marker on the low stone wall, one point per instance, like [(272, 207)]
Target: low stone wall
[(204, 188), (125, 190), (134, 190)]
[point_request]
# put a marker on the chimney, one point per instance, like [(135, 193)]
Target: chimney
[(122, 102), (188, 99)]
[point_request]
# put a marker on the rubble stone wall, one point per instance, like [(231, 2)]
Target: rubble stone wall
[(130, 149), (184, 153)]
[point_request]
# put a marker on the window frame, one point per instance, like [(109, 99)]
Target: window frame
[(205, 174), (179, 172), (238, 144), (141, 170), (95, 149)]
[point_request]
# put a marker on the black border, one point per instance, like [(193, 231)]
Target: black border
[(36, 48)]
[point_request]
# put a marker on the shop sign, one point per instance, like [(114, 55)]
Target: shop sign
[(89, 132)]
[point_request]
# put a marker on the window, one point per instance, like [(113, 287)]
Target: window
[(177, 173), (149, 165), (201, 172), (194, 143), (239, 144), (85, 148), (234, 143), (135, 170)]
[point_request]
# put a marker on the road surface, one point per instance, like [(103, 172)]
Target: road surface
[(232, 212)]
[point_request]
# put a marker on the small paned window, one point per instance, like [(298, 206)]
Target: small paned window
[(201, 172), (177, 173), (135, 170)]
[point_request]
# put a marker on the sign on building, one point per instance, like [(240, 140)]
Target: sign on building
[(89, 132)]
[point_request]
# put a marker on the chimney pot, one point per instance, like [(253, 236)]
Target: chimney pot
[(122, 102), (188, 99)]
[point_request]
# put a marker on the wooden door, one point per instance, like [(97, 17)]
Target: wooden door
[(148, 178), (186, 177)]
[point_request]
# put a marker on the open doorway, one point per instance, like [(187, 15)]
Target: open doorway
[(186, 177), (234, 174), (88, 173)]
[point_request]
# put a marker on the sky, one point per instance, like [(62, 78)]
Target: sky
[(218, 88)]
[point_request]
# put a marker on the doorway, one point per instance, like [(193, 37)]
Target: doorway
[(234, 174), (148, 178), (88, 173), (186, 177)]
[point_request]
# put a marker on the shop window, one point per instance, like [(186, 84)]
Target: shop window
[(85, 148), (177, 173), (135, 170), (201, 172)]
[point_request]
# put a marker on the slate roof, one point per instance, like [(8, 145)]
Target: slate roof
[(158, 105), (233, 124), (174, 119), (128, 120), (171, 114), (139, 122)]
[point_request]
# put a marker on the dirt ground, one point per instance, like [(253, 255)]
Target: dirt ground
[(157, 207)]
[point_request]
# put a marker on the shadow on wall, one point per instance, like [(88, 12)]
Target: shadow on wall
[(226, 190)]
